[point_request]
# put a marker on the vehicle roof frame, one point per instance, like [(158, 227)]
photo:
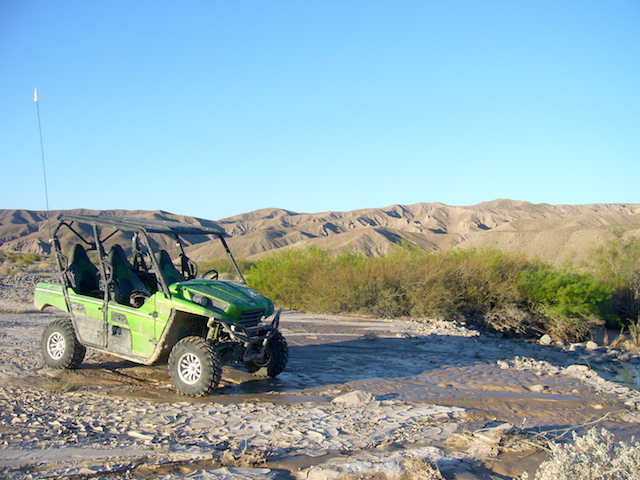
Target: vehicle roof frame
[(142, 226), (145, 224)]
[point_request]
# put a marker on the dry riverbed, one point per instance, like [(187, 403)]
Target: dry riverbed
[(360, 398)]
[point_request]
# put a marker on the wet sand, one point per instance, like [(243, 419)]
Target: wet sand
[(424, 389)]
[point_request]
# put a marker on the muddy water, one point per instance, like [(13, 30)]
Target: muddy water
[(629, 375), (395, 360), (390, 359)]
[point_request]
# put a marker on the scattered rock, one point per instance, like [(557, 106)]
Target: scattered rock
[(503, 365), (577, 369), (625, 357), (590, 346), (414, 463), (316, 453), (140, 436), (357, 397), (576, 347), (494, 433), (633, 403), (545, 340), (538, 388)]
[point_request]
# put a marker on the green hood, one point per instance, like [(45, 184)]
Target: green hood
[(225, 297)]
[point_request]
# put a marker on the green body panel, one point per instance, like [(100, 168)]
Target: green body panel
[(130, 331), (136, 332), (49, 294)]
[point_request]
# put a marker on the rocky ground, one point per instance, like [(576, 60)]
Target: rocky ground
[(360, 398)]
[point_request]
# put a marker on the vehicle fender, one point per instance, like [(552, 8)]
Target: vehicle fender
[(49, 294)]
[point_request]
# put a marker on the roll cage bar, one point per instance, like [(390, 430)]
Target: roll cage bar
[(140, 227)]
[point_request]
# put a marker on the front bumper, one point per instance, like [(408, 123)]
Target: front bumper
[(253, 339)]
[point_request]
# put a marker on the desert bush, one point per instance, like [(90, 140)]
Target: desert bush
[(618, 264), (513, 319), (485, 280), (571, 303), (22, 258), (12, 263), (592, 456), (504, 292), (286, 275), (565, 293), (406, 282), (570, 329)]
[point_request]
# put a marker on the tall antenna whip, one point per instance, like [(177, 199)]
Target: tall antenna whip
[(44, 169)]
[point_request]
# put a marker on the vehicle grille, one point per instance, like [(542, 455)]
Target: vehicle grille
[(250, 318)]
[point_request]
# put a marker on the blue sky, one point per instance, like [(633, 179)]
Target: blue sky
[(217, 108)]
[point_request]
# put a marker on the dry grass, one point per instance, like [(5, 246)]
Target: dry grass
[(634, 332), (568, 329), (420, 469), (512, 318)]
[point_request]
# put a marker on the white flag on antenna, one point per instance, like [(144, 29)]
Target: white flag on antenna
[(35, 94)]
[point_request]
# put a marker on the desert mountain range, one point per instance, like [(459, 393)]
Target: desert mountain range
[(556, 233)]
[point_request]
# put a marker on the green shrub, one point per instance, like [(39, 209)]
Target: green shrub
[(13, 263), (618, 264), (565, 293), (501, 291), (22, 258), (573, 303), (406, 282), (285, 276)]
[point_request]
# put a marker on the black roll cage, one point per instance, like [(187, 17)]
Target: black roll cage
[(140, 227)]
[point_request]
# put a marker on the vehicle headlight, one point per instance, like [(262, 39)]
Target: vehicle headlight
[(208, 302), (201, 300)]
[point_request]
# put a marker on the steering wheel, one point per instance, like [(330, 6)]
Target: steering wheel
[(211, 274)]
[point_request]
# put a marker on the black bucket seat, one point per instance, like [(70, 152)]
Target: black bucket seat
[(124, 280), (167, 269), (81, 273)]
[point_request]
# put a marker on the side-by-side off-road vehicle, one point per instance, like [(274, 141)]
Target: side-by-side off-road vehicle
[(128, 296)]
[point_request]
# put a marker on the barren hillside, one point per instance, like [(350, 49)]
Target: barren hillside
[(557, 233)]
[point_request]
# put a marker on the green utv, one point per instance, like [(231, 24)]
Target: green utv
[(132, 301)]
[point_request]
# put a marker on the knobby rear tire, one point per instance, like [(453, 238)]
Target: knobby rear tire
[(60, 346)]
